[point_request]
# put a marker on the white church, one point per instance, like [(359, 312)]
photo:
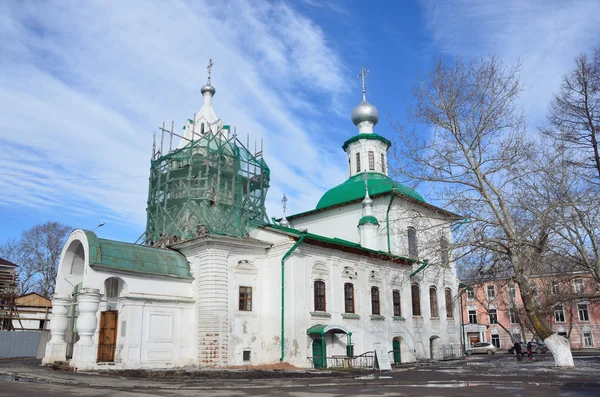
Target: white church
[(215, 283)]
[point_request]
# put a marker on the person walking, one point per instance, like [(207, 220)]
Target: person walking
[(518, 351), (529, 355)]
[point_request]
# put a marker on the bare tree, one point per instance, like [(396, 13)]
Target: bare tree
[(37, 253), (477, 153)]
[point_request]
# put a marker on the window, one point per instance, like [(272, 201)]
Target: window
[(559, 314), (433, 303), (584, 314), (491, 292), (382, 163), (319, 296), (470, 293), (449, 308), (371, 161), (349, 167), (357, 162), (349, 297), (513, 318), (247, 355), (493, 313), (396, 301), (517, 337), (416, 300), (512, 291), (111, 287), (42, 324), (578, 286), (444, 254), (246, 299), (375, 301), (472, 316), (588, 340), (496, 341), (413, 251), (555, 288)]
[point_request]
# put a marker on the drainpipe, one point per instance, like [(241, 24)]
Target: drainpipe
[(387, 218), (462, 325), (425, 263), (285, 256)]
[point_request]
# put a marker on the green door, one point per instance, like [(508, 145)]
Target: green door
[(318, 352), (396, 349)]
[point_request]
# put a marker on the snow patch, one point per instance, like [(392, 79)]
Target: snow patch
[(560, 349)]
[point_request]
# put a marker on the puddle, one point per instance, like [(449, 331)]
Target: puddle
[(6, 378), (373, 377)]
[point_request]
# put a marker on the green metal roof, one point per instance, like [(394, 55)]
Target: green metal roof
[(382, 255), (354, 188), (371, 220), (366, 136), (134, 258), (322, 329)]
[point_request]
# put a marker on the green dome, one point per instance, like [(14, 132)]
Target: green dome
[(371, 220), (354, 189)]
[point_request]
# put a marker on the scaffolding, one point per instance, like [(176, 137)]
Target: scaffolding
[(8, 292), (212, 185)]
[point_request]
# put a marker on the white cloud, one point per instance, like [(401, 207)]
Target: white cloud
[(545, 35), (85, 84)]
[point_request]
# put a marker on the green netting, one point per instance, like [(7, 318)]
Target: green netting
[(212, 185)]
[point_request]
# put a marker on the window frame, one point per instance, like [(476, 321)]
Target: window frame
[(487, 291), (472, 315), (111, 288), (319, 298), (415, 300), (413, 245), (470, 293), (560, 311), (449, 304), (375, 302), (444, 251), (357, 161), (433, 302), (493, 316), (578, 285), (513, 317), (512, 291), (349, 298), (383, 168), (371, 155), (555, 288), (396, 303), (586, 310), (245, 300), (497, 338), (584, 339)]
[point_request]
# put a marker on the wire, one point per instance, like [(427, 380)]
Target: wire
[(74, 179)]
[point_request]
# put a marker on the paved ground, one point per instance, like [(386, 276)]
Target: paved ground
[(497, 375)]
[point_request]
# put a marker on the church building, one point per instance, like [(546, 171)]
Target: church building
[(213, 282)]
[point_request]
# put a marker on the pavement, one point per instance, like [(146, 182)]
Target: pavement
[(499, 374)]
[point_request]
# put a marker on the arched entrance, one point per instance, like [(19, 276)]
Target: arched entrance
[(434, 347), (397, 350), (114, 288), (319, 333)]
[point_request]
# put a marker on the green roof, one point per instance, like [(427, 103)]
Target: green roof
[(381, 255), (366, 136), (322, 329), (354, 189), (133, 258), (371, 220)]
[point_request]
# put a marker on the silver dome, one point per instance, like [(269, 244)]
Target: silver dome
[(208, 88), (365, 112)]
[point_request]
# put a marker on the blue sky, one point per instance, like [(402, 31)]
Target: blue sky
[(83, 86)]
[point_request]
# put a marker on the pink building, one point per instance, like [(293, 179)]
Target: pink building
[(492, 310)]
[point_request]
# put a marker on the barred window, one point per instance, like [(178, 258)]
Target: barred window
[(357, 162), (319, 296), (246, 299), (382, 163), (375, 301), (349, 297), (413, 251), (371, 161), (433, 302), (416, 300), (449, 308), (396, 302)]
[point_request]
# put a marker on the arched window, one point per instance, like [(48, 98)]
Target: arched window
[(416, 300), (357, 162), (396, 302), (319, 296), (444, 254), (433, 302), (375, 301), (349, 298), (449, 308), (371, 161), (382, 163), (111, 287), (413, 251)]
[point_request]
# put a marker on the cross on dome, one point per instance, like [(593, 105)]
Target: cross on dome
[(363, 77), (209, 68), (284, 222)]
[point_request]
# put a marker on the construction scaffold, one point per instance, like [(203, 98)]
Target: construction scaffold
[(8, 293), (212, 185)]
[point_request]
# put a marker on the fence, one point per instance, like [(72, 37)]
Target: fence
[(364, 361), (23, 343), (445, 352)]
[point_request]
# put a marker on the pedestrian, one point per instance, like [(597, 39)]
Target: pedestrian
[(529, 355), (518, 350)]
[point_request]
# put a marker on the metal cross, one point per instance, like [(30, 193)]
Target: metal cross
[(284, 201), (365, 177), (209, 68), (363, 77)]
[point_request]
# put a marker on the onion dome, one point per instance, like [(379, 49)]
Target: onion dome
[(365, 112), (284, 222), (368, 220), (208, 88)]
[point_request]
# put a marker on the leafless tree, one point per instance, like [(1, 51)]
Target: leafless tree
[(477, 153), (37, 253)]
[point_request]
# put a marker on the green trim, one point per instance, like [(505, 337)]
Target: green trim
[(310, 237), (398, 318), (425, 263), (367, 136), (285, 256), (377, 317), (320, 314), (133, 258), (387, 220), (350, 316), (354, 189), (368, 220)]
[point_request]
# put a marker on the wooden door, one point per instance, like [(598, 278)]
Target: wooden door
[(318, 350), (396, 349), (107, 341)]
